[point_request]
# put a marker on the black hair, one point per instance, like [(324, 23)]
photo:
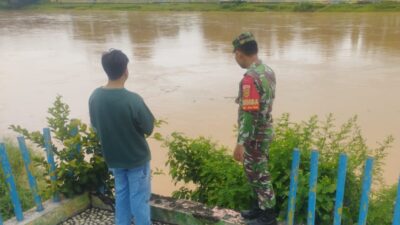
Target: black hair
[(249, 48), (114, 63)]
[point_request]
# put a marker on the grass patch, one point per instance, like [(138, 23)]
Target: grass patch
[(308, 7), (234, 7), (363, 7), (21, 180), (3, 5)]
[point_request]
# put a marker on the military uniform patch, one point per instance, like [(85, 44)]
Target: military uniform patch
[(250, 95)]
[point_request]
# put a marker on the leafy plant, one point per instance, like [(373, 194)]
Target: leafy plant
[(80, 165), (381, 209), (218, 179)]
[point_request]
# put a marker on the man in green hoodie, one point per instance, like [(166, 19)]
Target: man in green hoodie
[(122, 122)]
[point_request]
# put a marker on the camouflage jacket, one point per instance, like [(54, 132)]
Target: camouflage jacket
[(256, 96)]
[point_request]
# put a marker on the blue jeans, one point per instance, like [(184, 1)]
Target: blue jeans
[(132, 194)]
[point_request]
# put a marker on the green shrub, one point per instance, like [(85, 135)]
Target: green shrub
[(218, 178), (77, 171), (21, 180), (3, 4), (306, 7), (381, 208), (220, 181)]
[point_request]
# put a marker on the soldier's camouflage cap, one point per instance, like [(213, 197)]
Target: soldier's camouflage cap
[(242, 39)]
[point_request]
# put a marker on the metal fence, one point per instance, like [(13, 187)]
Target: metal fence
[(9, 176), (340, 187)]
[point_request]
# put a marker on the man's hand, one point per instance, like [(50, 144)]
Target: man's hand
[(238, 154)]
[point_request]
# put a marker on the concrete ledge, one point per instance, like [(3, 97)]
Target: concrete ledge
[(182, 212), (164, 209), (53, 213)]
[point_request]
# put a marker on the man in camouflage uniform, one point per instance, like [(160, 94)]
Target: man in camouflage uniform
[(256, 96)]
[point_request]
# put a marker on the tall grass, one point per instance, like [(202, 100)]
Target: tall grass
[(21, 180), (226, 7)]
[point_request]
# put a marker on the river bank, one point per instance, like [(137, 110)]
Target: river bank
[(224, 7)]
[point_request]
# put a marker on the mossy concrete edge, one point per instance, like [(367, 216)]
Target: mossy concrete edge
[(54, 212)]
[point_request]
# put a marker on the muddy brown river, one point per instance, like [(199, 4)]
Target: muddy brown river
[(182, 64)]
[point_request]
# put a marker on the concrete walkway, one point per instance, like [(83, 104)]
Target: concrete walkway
[(95, 216)]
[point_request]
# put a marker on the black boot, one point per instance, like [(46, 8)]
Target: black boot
[(253, 212), (268, 217)]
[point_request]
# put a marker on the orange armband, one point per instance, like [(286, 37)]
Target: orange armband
[(250, 95)]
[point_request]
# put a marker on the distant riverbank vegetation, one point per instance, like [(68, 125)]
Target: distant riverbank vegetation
[(226, 6)]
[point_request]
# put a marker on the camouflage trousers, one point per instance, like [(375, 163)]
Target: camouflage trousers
[(256, 167)]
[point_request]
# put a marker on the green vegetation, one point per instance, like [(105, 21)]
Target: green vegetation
[(211, 176), (381, 207), (3, 4), (21, 180), (78, 171), (226, 7), (80, 164), (220, 181)]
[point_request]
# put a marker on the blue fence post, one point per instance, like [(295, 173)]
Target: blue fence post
[(75, 132), (340, 185), (396, 217), (366, 188), (50, 160), (11, 183), (1, 219), (294, 177), (31, 178), (312, 197), (77, 147)]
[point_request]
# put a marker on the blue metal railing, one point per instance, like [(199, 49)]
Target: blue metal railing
[(294, 179), (366, 188), (396, 217), (11, 182), (31, 178), (341, 180), (340, 187), (312, 196), (5, 164), (50, 159)]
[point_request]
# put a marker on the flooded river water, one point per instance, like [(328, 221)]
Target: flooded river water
[(182, 64)]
